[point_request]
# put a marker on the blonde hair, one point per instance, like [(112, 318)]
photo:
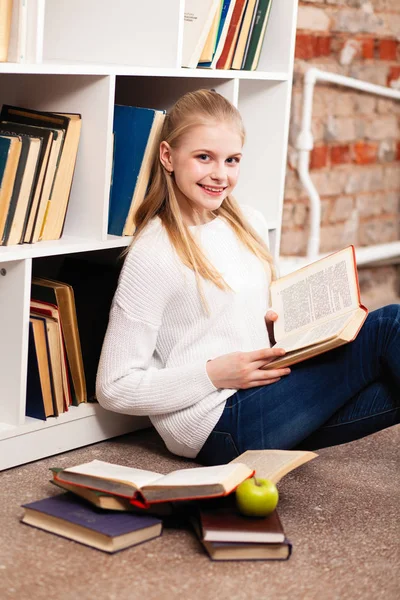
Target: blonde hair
[(193, 109)]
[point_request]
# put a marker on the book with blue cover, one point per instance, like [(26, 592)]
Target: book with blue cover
[(70, 517), (136, 135)]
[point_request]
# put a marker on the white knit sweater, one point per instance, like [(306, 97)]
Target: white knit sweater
[(159, 338)]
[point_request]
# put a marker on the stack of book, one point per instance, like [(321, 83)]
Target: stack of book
[(224, 34), (227, 535), (37, 160), (202, 495), (56, 377)]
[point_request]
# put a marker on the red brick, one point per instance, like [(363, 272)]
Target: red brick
[(323, 46), (305, 46), (387, 49), (365, 153), (319, 157), (368, 46), (340, 154), (394, 73)]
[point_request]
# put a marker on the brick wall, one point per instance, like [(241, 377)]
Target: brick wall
[(355, 163)]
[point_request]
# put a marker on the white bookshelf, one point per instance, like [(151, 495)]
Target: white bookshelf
[(96, 53)]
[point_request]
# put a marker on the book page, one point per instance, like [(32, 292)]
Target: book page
[(274, 464), (314, 335), (105, 470), (315, 293), (199, 476)]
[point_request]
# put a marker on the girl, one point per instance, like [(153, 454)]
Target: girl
[(189, 324)]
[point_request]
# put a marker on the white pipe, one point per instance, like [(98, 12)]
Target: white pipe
[(305, 144)]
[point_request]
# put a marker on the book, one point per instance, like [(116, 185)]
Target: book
[(51, 310), (145, 487), (248, 551), (274, 464), (55, 211), (136, 132), (224, 61), (226, 17), (19, 207), (41, 185), (108, 501), (227, 535), (209, 47), (67, 516), (62, 295), (226, 524), (43, 360), (244, 33), (87, 277), (257, 37), (198, 18), (250, 32), (34, 397), (318, 308), (10, 151)]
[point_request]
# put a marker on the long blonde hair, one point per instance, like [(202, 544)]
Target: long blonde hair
[(195, 108)]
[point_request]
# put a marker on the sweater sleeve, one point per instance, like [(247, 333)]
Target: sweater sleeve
[(126, 381)]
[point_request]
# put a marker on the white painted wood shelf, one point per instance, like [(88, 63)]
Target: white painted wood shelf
[(130, 55)]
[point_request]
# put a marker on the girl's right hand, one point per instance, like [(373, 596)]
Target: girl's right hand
[(241, 370)]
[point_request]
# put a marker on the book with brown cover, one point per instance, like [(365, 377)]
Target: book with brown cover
[(54, 215), (246, 551), (227, 535), (9, 166), (225, 524), (62, 295)]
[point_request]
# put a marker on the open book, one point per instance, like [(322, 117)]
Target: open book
[(145, 487), (318, 308), (274, 464)]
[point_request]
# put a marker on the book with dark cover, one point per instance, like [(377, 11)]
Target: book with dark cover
[(250, 34), (243, 551), (34, 396), (46, 137), (134, 145), (257, 37), (68, 516), (226, 524), (62, 295), (54, 218), (5, 143)]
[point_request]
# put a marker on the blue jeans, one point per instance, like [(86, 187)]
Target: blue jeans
[(339, 396)]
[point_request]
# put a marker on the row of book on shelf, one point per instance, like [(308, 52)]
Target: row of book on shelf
[(224, 34), (68, 319), (111, 507), (37, 160)]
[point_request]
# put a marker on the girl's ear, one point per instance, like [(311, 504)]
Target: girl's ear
[(165, 156)]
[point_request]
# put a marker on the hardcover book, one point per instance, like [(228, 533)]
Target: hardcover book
[(145, 487), (136, 133), (67, 516), (318, 308)]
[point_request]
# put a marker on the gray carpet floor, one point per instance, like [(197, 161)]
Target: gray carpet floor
[(341, 512)]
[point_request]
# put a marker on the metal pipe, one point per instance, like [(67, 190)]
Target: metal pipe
[(305, 143)]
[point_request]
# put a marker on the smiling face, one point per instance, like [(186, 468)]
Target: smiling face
[(205, 164)]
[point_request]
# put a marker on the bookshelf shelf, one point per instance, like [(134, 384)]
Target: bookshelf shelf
[(56, 68), (65, 245), (130, 55)]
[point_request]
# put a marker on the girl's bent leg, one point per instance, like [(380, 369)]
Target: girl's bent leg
[(284, 414)]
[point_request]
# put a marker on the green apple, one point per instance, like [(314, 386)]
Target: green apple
[(256, 497)]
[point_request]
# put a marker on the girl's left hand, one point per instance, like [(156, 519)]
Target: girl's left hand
[(270, 317)]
